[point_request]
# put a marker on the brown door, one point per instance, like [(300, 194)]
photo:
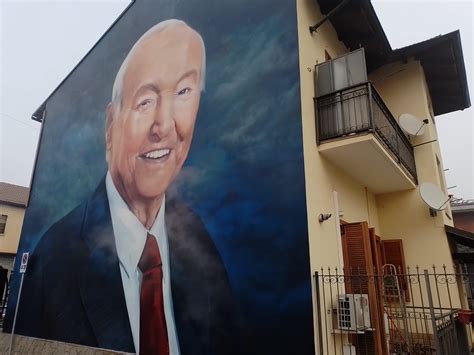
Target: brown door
[(393, 254)]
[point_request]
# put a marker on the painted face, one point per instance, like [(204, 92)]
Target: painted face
[(150, 132)]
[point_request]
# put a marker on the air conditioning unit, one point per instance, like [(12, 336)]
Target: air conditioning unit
[(353, 312)]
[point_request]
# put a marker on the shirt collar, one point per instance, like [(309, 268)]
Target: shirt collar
[(130, 234)]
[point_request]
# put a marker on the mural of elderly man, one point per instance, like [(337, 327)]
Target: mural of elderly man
[(130, 269)]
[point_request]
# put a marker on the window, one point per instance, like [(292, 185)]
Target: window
[(3, 223)]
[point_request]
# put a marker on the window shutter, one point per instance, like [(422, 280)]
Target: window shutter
[(358, 272), (356, 249), (376, 248)]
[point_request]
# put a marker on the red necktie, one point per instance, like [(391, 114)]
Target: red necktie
[(153, 331)]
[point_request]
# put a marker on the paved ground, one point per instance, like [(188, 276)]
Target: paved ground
[(25, 345)]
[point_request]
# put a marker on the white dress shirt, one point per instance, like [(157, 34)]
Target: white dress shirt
[(130, 237)]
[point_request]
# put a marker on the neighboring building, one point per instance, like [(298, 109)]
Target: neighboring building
[(365, 171), (363, 168), (13, 201), (463, 214), (461, 238), (462, 234)]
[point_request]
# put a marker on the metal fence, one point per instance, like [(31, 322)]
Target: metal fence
[(361, 109), (4, 299), (392, 312)]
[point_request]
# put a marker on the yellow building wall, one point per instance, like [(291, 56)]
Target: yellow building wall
[(323, 178), (9, 240), (400, 215), (404, 90), (328, 189), (404, 215)]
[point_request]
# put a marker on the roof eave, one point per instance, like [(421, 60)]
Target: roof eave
[(429, 49)]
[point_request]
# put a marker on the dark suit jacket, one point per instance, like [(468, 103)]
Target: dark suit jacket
[(73, 292)]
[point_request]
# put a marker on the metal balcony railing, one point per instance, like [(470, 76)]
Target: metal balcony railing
[(360, 109)]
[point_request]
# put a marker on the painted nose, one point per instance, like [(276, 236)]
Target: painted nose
[(163, 120)]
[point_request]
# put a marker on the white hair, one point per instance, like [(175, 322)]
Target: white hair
[(118, 83)]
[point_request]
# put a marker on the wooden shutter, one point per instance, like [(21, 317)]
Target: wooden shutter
[(376, 249), (356, 249), (358, 272), (377, 257), (393, 254)]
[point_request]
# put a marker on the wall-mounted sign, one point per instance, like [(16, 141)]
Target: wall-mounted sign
[(24, 262)]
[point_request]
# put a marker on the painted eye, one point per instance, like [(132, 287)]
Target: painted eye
[(184, 91), (144, 103)]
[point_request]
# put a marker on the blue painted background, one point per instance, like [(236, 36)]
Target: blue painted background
[(244, 175)]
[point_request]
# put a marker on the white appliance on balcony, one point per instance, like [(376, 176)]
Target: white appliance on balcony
[(353, 312), (348, 107), (341, 72)]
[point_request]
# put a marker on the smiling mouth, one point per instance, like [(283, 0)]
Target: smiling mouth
[(156, 154)]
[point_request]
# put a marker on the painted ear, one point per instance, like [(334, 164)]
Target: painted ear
[(108, 127)]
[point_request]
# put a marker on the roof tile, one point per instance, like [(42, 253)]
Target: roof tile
[(14, 194)]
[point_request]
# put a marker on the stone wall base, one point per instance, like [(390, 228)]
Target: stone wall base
[(26, 345)]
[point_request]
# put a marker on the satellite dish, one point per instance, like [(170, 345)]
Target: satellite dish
[(433, 196), (411, 124)]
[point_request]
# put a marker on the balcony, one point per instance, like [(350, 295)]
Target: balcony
[(357, 132)]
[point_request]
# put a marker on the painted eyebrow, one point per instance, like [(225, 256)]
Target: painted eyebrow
[(188, 74), (156, 89), (147, 87)]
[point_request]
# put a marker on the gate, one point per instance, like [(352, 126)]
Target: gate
[(417, 312)]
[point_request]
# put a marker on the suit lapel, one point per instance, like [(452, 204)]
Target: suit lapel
[(101, 283), (190, 310)]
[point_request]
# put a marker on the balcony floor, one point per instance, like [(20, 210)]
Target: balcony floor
[(364, 159)]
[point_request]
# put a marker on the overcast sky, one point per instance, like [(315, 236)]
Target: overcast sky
[(42, 41)]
